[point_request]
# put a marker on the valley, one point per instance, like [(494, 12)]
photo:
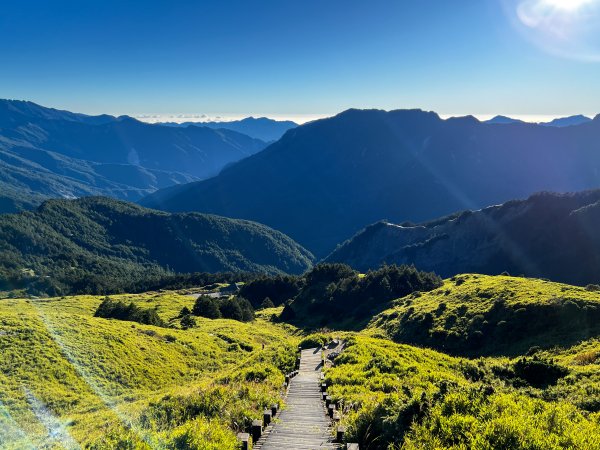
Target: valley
[(340, 174)]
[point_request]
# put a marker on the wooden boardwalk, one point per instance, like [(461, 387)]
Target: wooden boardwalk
[(303, 424)]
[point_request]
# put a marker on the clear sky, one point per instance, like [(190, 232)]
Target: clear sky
[(303, 59)]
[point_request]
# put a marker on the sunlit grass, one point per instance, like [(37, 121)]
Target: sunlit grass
[(96, 376)]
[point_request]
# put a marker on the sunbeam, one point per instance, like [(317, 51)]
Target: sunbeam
[(565, 28)]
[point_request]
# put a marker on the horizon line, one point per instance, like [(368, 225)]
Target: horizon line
[(305, 118)]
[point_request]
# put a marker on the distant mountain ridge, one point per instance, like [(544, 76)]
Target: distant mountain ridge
[(554, 236), (568, 121), (559, 122), (100, 240), (47, 153), (325, 180), (262, 128), (503, 120)]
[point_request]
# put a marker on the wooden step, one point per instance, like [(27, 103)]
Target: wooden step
[(304, 423)]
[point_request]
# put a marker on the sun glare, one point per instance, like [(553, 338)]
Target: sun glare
[(565, 28), (567, 5)]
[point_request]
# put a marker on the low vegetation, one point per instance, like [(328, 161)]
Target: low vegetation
[(117, 309), (71, 378), (398, 396), (481, 315), (235, 308), (68, 376)]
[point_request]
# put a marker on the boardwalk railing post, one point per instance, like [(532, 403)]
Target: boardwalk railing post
[(244, 438), (352, 447), (327, 401), (330, 411), (267, 417), (323, 387), (256, 430), (341, 431), (274, 408)]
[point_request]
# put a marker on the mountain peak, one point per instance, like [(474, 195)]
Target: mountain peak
[(500, 120)]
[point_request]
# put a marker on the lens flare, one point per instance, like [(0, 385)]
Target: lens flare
[(567, 5), (565, 28)]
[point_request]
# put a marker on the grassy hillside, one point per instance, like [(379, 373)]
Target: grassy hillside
[(96, 244), (67, 376), (70, 379), (405, 397), (479, 314)]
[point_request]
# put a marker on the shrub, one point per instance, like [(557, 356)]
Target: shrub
[(585, 358), (188, 321), (267, 303), (111, 309), (314, 340), (247, 309), (230, 309), (539, 372), (207, 307)]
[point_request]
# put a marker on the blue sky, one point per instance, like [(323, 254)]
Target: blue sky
[(303, 59)]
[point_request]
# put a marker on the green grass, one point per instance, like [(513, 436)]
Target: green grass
[(70, 379), (399, 396), (66, 372), (479, 314)]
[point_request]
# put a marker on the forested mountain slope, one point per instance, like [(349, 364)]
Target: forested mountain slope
[(325, 180), (548, 235), (95, 244)]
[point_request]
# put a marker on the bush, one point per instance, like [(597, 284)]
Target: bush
[(230, 309), (539, 372), (111, 309), (207, 307), (188, 321), (314, 340), (267, 303), (236, 308)]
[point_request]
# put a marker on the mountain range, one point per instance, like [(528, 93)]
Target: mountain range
[(324, 181), (559, 122), (48, 153), (71, 244), (548, 235), (262, 128)]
